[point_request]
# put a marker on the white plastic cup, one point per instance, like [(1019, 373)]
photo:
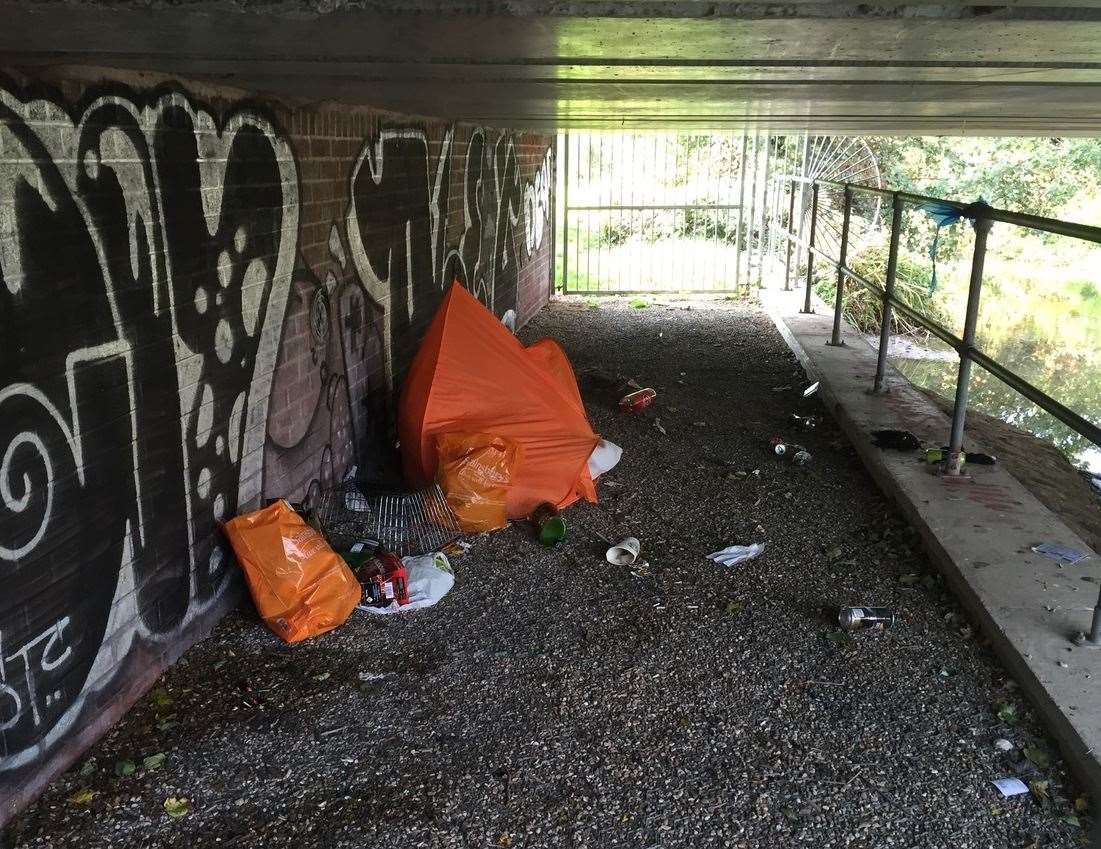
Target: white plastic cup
[(624, 553)]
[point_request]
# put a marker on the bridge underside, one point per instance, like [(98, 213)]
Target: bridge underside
[(829, 68)]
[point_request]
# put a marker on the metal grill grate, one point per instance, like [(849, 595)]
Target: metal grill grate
[(406, 523)]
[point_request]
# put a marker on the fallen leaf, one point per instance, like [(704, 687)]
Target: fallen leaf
[(161, 698), (1081, 804), (1040, 789), (909, 579), (1007, 713), (82, 796), (88, 768), (1071, 819), (504, 839), (154, 761), (124, 768), (833, 553), (733, 608), (1038, 756), (177, 806), (324, 676), (658, 425), (838, 638), (166, 724)]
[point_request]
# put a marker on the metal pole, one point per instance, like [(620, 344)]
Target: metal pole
[(762, 243), (566, 218), (835, 337), (1095, 626), (741, 214), (810, 243), (888, 293), (791, 224), (963, 381), (752, 208)]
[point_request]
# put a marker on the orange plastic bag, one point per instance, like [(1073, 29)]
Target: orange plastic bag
[(301, 587), (475, 470)]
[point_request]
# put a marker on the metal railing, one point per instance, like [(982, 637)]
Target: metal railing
[(982, 218)]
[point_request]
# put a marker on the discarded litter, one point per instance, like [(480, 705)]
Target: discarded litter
[(625, 552), (900, 440), (301, 587), (865, 618), (604, 458), (1010, 787), (550, 527), (810, 390), (1062, 554), (797, 455), (474, 471), (430, 578), (933, 456), (402, 522), (659, 426), (736, 554), (1003, 745), (385, 580), (636, 401), (804, 422)]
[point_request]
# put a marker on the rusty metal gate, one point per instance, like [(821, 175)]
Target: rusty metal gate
[(691, 212)]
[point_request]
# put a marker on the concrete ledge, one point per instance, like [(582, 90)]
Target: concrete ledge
[(978, 531)]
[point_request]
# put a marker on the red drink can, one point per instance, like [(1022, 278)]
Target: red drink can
[(636, 401)]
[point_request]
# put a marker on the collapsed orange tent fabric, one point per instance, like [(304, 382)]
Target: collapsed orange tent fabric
[(471, 374)]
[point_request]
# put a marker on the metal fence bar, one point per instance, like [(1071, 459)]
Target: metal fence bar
[(761, 241), (1014, 381), (566, 217), (888, 295), (954, 466), (791, 221), (835, 337), (741, 212), (807, 308)]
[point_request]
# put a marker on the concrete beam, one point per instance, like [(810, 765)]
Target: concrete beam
[(828, 68)]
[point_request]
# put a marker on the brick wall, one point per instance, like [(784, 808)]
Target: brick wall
[(205, 301)]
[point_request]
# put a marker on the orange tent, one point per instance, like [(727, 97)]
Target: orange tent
[(472, 375)]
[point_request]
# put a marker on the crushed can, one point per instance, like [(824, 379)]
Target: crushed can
[(865, 618), (550, 527), (639, 400), (779, 447), (803, 422)]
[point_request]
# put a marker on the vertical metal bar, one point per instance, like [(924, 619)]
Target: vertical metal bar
[(741, 213), (750, 243), (835, 337), (810, 242), (761, 242), (566, 219), (963, 381), (790, 230), (888, 293)]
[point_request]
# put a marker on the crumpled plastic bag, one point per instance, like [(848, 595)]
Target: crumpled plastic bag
[(430, 578), (474, 471), (736, 554), (301, 587)]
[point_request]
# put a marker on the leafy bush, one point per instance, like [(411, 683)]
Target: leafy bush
[(864, 309)]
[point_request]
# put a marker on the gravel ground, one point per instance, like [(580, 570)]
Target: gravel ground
[(553, 700)]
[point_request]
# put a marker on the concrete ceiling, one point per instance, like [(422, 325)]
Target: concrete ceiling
[(917, 68)]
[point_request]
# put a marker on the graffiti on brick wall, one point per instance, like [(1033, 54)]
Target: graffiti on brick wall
[(402, 255), (146, 255), (169, 357), (323, 377)]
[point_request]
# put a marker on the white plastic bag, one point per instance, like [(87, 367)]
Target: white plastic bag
[(736, 554), (604, 458), (430, 579)]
